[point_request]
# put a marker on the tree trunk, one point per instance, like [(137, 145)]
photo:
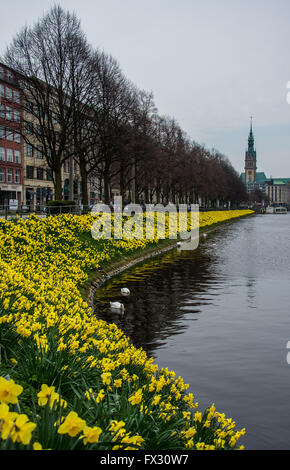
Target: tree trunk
[(106, 188), (84, 185), (57, 184), (146, 195), (122, 182), (158, 195)]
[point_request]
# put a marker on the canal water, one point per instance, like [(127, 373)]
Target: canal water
[(219, 317)]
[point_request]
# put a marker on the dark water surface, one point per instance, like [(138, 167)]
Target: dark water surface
[(220, 318)]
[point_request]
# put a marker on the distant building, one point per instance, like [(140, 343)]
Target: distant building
[(25, 176), (276, 190), (253, 180), (251, 159), (38, 187), (11, 158)]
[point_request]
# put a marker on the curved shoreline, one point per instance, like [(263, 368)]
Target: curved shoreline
[(120, 266), (115, 268)]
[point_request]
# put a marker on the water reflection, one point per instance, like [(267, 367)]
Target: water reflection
[(251, 285), (163, 290)]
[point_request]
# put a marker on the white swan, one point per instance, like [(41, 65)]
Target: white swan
[(125, 291), (117, 306)]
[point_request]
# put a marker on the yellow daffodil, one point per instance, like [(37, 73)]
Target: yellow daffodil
[(72, 425), (9, 391), (91, 435)]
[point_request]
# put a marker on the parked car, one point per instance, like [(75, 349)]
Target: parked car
[(25, 208)]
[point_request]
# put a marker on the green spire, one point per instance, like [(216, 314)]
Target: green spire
[(251, 137), (251, 152)]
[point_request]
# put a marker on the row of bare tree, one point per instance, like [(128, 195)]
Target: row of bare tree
[(80, 106)]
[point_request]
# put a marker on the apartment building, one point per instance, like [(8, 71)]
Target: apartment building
[(11, 155), (38, 186), (24, 173), (37, 180), (278, 191)]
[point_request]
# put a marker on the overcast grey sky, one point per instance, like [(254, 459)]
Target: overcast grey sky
[(211, 64)]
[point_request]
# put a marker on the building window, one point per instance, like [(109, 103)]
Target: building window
[(17, 176), (38, 131), (29, 172), (48, 175), (16, 96), (8, 113), (10, 155), (29, 107), (2, 90), (29, 127), (2, 154), (9, 134), (39, 152), (8, 93), (17, 137), (2, 175), (2, 132), (2, 111), (10, 75), (16, 116), (29, 150), (9, 175), (17, 156), (56, 118), (40, 173)]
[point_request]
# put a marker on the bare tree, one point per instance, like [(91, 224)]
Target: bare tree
[(47, 58), (111, 104)]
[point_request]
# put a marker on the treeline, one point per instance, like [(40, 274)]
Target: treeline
[(79, 106)]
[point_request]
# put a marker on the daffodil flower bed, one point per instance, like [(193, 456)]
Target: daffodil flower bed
[(69, 380)]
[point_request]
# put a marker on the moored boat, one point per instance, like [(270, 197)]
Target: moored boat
[(276, 210)]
